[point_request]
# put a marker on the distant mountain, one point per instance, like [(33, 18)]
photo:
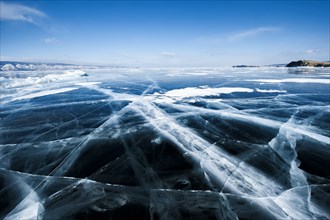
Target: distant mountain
[(270, 65), (298, 63), (277, 65), (243, 66), (37, 63), (308, 63), (34, 66), (26, 66)]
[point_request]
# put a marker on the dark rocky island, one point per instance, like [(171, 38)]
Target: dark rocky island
[(308, 63)]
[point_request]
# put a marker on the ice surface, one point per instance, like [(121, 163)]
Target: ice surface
[(123, 143)]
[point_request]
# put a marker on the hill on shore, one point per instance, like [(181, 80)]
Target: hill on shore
[(308, 63)]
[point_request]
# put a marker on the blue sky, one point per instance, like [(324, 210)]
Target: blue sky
[(165, 33)]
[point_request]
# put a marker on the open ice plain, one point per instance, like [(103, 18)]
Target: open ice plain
[(208, 143)]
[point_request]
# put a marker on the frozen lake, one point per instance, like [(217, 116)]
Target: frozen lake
[(132, 143)]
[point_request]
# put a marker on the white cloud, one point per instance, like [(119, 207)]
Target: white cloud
[(17, 12), (51, 41), (168, 54), (312, 51), (250, 33), (223, 38), (305, 53)]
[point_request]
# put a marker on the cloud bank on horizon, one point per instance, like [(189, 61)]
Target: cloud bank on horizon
[(163, 34)]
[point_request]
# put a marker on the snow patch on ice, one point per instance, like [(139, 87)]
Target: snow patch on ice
[(270, 91), (292, 80), (75, 72), (44, 93), (195, 91), (35, 80), (87, 83), (8, 67), (29, 208), (30, 211)]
